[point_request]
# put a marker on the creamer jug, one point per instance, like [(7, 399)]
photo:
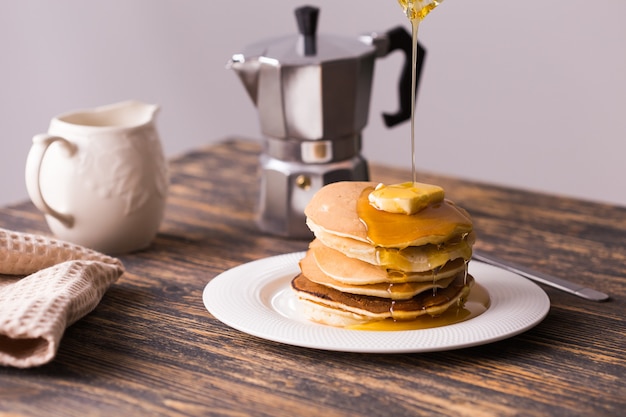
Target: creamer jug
[(100, 176)]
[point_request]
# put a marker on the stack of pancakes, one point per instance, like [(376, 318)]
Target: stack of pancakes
[(368, 265)]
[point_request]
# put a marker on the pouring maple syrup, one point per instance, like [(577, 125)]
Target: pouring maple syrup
[(478, 300), (415, 11)]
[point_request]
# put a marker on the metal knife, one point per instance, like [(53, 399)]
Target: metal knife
[(542, 278)]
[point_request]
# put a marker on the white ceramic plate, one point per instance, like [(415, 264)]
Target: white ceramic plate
[(256, 298)]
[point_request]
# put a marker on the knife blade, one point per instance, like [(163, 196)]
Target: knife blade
[(537, 276)]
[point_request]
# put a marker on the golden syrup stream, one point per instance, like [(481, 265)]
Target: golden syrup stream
[(477, 301), (435, 272), (415, 11), (415, 25)]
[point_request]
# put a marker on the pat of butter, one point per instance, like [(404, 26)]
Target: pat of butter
[(405, 198)]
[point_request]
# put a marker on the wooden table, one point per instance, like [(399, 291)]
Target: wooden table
[(152, 349)]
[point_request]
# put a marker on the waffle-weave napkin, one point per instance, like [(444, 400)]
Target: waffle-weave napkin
[(45, 286)]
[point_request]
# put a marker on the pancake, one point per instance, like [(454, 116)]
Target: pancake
[(410, 259), (332, 211), (394, 291), (367, 265), (353, 271), (330, 306)]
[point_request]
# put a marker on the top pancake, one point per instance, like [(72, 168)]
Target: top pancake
[(337, 209)]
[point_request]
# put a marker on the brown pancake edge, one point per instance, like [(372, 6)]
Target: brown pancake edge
[(379, 308)]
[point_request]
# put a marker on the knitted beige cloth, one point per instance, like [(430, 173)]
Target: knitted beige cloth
[(45, 286)]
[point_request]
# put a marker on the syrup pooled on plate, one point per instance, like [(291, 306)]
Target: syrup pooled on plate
[(477, 303)]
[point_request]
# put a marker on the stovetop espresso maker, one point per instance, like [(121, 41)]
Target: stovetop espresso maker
[(312, 92)]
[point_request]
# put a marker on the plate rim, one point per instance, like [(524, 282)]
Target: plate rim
[(256, 275)]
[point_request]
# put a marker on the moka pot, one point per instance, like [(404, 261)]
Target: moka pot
[(312, 92)]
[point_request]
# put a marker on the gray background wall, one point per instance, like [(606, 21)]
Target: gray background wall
[(511, 94)]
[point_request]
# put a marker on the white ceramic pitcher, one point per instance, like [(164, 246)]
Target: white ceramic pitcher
[(100, 176)]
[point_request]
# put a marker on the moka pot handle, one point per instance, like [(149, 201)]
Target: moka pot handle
[(400, 38)]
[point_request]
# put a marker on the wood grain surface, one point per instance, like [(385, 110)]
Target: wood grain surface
[(151, 348)]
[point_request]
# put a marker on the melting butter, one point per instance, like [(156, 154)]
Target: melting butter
[(438, 221), (405, 198)]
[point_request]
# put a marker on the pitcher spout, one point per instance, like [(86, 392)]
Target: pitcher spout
[(134, 112), (124, 114), (248, 72)]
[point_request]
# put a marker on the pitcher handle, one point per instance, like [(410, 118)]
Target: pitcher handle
[(400, 38), (41, 143)]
